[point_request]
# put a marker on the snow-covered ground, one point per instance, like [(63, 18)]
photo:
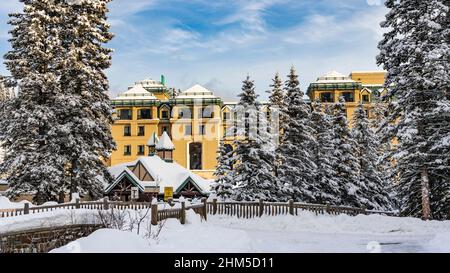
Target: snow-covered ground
[(304, 233)]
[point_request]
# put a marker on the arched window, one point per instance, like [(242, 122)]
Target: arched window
[(195, 156)]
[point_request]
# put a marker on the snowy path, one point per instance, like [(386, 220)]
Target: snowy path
[(306, 232)]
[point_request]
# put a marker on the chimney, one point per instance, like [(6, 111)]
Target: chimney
[(163, 80)]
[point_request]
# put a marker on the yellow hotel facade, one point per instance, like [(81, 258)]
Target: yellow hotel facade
[(196, 119)]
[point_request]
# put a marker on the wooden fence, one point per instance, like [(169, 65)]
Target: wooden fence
[(238, 209), (260, 208)]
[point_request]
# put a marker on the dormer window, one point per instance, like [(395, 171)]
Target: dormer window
[(365, 98), (165, 114)]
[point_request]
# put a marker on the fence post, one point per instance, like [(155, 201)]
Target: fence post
[(363, 209), (261, 207), (328, 209), (77, 203), (205, 208), (26, 208), (154, 220), (215, 206), (291, 207), (183, 213), (105, 203)]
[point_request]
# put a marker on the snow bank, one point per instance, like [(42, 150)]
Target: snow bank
[(440, 243), (107, 241), (5, 203)]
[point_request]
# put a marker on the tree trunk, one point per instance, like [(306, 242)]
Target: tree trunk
[(425, 185)]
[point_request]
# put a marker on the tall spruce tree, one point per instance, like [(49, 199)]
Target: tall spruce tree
[(415, 52), (298, 170), (278, 110), (255, 152), (87, 114), (34, 163), (346, 166), (225, 162), (328, 188), (374, 192)]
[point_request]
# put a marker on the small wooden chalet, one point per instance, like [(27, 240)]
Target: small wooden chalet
[(151, 174)]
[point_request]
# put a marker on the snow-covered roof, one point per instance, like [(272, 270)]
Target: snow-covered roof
[(137, 92), (334, 77), (165, 174), (153, 140), (150, 84), (3, 182), (165, 143), (196, 91)]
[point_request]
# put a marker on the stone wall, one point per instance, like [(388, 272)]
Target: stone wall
[(42, 240)]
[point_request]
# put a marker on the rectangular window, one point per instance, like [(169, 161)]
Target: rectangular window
[(144, 114), (326, 97), (127, 130), (141, 150), (365, 98), (141, 130), (367, 113), (187, 130), (127, 150), (201, 130), (125, 114), (348, 96), (165, 114), (226, 116)]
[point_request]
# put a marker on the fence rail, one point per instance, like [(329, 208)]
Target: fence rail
[(231, 208)]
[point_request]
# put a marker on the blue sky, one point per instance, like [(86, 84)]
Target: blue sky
[(217, 43)]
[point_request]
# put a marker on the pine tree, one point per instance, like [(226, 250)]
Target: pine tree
[(277, 102), (328, 188), (279, 114), (374, 194), (225, 163), (415, 52), (297, 170), (87, 114), (34, 163), (255, 152), (346, 167)]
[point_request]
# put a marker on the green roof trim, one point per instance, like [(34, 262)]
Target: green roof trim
[(333, 86), (208, 101), (135, 102), (189, 179)]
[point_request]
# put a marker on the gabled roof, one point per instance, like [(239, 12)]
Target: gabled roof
[(196, 91), (334, 77), (165, 143), (166, 174), (137, 92)]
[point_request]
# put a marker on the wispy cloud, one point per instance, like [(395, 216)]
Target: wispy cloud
[(216, 43)]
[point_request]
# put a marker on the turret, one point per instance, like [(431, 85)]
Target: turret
[(151, 143)]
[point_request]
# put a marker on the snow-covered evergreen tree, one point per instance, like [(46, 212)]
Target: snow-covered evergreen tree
[(277, 102), (415, 52), (255, 151), (279, 114), (374, 192), (34, 163), (328, 188), (346, 167), (298, 171), (87, 114), (224, 182)]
